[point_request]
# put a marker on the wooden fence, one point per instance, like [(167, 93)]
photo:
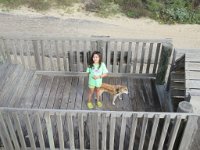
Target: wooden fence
[(69, 129), (69, 54)]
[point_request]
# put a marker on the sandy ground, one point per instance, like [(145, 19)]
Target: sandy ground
[(70, 23)]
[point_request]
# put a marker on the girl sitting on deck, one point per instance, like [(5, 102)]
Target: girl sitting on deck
[(97, 70)]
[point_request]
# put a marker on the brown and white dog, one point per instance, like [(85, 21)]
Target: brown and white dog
[(114, 90)]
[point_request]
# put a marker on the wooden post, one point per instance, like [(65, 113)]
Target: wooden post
[(163, 63), (100, 45), (36, 54), (185, 107), (94, 131), (189, 133)]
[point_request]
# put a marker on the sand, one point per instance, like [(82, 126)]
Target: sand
[(76, 22)]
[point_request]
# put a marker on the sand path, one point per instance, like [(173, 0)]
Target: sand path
[(84, 25)]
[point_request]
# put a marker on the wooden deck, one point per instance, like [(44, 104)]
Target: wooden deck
[(22, 88)]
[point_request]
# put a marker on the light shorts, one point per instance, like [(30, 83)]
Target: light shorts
[(93, 86)]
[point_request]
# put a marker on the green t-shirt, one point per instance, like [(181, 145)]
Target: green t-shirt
[(96, 71)]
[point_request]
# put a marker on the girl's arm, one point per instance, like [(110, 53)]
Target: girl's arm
[(103, 75)]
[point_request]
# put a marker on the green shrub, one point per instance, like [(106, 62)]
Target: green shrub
[(65, 3), (108, 9), (167, 11)]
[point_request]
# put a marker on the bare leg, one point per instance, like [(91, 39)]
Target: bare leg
[(91, 91), (98, 93)]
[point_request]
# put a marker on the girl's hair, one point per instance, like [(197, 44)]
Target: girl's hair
[(91, 59)]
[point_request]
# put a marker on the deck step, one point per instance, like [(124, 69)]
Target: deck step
[(178, 80), (176, 92), (178, 87), (179, 97)]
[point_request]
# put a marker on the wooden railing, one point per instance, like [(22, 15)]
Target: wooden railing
[(72, 129), (72, 54)]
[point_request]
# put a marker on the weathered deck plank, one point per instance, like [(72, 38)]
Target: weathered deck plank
[(73, 93), (9, 88), (65, 98), (80, 89), (38, 96), (46, 94), (52, 95), (59, 93)]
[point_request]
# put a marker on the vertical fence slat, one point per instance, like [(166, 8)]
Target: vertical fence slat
[(36, 54), (174, 132), (57, 56), (42, 50), (49, 130), (156, 57), (81, 131), (122, 133), (133, 131), (115, 58), (143, 132), (85, 55), (135, 57), (12, 132), (64, 55), (108, 57), (15, 51), (4, 129), (70, 130), (2, 50), (142, 57), (153, 132), (7, 50), (112, 131), (164, 132), (163, 63), (78, 55), (71, 56), (104, 132), (93, 46), (60, 131), (39, 129), (50, 55), (22, 53), (149, 57), (128, 68), (94, 130), (28, 54), (189, 132), (19, 130), (30, 132), (3, 139), (122, 58), (103, 47)]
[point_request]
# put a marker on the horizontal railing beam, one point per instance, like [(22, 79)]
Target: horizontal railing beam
[(84, 74), (16, 37), (108, 113)]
